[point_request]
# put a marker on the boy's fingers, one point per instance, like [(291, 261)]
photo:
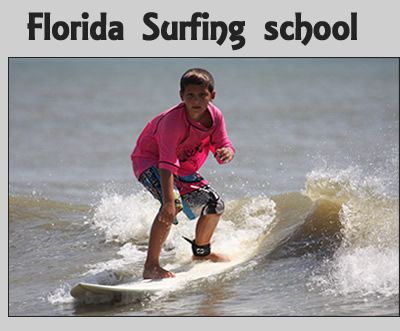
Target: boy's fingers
[(225, 154)]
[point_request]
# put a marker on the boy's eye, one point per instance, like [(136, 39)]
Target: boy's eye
[(192, 95)]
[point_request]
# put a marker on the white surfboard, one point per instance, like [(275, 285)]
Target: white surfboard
[(193, 271)]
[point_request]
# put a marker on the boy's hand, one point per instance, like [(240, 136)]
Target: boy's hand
[(225, 154), (167, 213)]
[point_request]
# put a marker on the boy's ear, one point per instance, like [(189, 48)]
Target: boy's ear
[(181, 94), (212, 95)]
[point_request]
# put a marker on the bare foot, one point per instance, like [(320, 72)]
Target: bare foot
[(156, 272), (215, 257)]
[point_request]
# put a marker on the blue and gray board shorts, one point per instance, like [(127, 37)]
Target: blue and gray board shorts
[(193, 195)]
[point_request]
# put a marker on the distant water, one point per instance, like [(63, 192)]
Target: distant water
[(313, 191)]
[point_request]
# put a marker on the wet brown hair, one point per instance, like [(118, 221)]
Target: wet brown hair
[(197, 76)]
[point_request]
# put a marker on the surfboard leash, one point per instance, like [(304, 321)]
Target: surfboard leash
[(199, 250)]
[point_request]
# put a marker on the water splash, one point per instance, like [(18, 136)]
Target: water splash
[(367, 262)]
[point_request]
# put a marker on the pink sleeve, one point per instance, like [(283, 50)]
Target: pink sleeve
[(220, 137), (167, 136)]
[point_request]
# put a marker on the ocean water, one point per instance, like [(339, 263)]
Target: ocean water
[(313, 192)]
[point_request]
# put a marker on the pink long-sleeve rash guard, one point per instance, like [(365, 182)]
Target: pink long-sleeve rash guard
[(175, 142)]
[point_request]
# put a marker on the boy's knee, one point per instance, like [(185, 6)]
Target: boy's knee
[(220, 206), (166, 221), (216, 206)]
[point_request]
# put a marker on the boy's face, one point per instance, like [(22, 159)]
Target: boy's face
[(196, 99)]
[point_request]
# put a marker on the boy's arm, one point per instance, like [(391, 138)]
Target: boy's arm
[(168, 212), (221, 146)]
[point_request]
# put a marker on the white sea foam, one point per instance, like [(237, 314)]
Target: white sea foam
[(60, 295), (127, 220), (123, 218)]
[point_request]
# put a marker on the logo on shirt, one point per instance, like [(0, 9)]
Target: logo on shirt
[(190, 155)]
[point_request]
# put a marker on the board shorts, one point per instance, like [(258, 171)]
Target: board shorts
[(193, 195)]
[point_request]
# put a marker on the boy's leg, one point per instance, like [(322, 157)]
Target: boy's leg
[(158, 234), (160, 229), (199, 199), (204, 230)]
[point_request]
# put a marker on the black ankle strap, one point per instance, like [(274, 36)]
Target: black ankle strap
[(199, 250)]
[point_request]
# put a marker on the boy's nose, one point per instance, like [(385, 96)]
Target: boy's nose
[(197, 99)]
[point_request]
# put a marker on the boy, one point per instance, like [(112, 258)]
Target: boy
[(168, 154)]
